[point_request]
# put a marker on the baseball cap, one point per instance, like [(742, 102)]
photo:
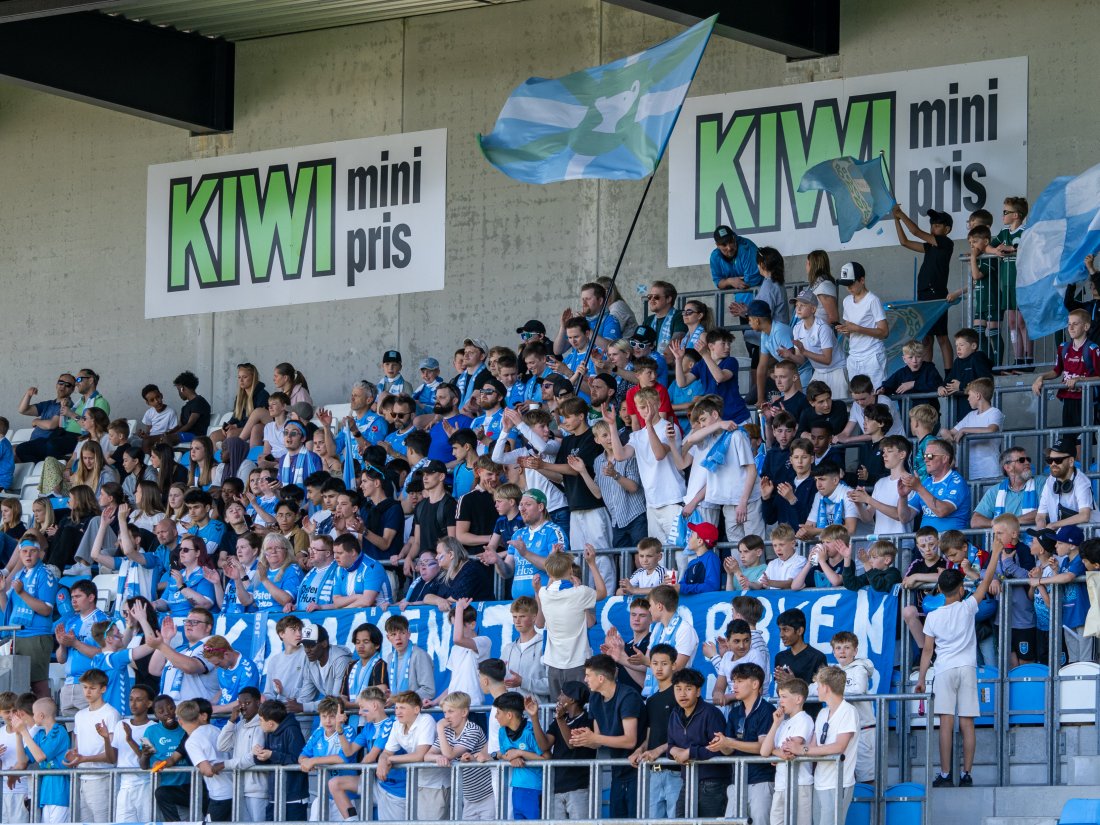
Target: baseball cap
[(935, 216), (534, 325), (724, 233), (477, 342), (850, 273), (644, 334), (303, 409), (312, 634), (1066, 445), (1071, 534), (559, 382), (391, 356), (434, 466), (428, 364), (806, 296), (489, 382), (759, 309), (535, 495), (1046, 537), (706, 531)]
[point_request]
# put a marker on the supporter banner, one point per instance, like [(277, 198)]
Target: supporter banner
[(954, 139), (352, 219), (871, 616)]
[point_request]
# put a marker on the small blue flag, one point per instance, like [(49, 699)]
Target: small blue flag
[(1063, 227), (349, 457), (858, 189), (611, 121), (909, 320)]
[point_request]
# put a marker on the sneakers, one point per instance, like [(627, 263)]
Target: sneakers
[(942, 781), (966, 781), (78, 569)]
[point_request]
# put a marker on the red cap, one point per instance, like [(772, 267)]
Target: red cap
[(706, 531)]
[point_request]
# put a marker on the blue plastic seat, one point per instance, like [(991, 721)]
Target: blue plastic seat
[(863, 798), (1080, 812), (987, 694), (905, 803), (1025, 699)]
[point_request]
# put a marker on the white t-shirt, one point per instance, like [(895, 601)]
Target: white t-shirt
[(88, 740), (886, 492), (648, 578), (984, 452), (202, 746), (462, 663), (158, 423), (126, 756), (867, 313), (726, 482), (952, 626), (679, 633), (798, 726), (662, 482), (566, 637), (839, 495), (818, 338), (845, 720), (1077, 499), (856, 414), (824, 287), (273, 435), (780, 570), (420, 732), (7, 760)]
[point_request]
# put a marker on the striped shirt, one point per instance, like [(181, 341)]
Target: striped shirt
[(477, 783), (623, 507)]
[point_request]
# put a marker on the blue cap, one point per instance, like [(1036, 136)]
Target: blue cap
[(759, 309), (1070, 535)]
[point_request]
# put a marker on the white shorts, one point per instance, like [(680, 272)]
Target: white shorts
[(873, 365), (95, 797), (55, 814), (15, 807), (390, 808), (661, 521), (956, 692), (803, 805), (836, 379), (134, 802), (865, 756)]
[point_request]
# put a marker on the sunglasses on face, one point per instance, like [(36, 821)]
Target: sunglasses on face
[(1021, 460), (65, 384), (930, 456), (634, 342), (1052, 460)]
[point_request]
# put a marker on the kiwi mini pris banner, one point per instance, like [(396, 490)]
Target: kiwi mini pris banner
[(350, 219)]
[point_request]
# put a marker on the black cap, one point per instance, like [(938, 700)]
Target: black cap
[(559, 382), (935, 216), (645, 334), (534, 325), (850, 273), (1067, 445), (434, 466), (392, 356), (826, 468), (490, 381), (1045, 537), (724, 233)]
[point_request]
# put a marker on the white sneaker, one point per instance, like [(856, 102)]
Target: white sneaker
[(78, 569)]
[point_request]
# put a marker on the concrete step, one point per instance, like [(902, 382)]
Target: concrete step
[(1082, 770), (1016, 805), (1019, 820)]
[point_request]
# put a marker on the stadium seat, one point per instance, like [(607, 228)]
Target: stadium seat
[(338, 411), (19, 477), (1025, 699), (1080, 812), (862, 807), (57, 678), (225, 416), (1077, 697), (22, 435), (904, 803), (105, 584), (987, 694)]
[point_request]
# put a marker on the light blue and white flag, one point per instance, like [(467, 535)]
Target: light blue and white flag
[(858, 189), (611, 121), (909, 320), (1063, 227), (349, 456)]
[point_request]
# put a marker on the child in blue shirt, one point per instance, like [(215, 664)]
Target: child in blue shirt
[(704, 572), (521, 741), (1075, 602), (372, 738), (46, 749), (324, 746)]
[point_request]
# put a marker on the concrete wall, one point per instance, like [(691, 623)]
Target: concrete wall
[(73, 189)]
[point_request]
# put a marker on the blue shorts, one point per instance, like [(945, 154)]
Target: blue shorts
[(185, 437), (526, 803)]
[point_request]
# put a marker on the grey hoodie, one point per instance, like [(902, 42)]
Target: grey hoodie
[(860, 672), (326, 680)]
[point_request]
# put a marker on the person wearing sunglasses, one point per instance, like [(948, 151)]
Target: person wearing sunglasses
[(297, 463), (488, 425), (943, 497), (1067, 494), (1018, 493), (87, 386), (48, 438), (663, 318)]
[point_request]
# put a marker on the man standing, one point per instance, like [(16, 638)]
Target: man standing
[(31, 593), (185, 673), (934, 270), (664, 319), (475, 351)]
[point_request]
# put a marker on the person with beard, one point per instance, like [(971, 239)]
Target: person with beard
[(1067, 494), (443, 422), (1017, 494)]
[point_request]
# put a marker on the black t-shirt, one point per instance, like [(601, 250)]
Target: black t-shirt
[(934, 269), (795, 405), (434, 519), (804, 666), (658, 709), (623, 675), (609, 714), (576, 491), (837, 418), (477, 508), (196, 406), (378, 518), (570, 779)]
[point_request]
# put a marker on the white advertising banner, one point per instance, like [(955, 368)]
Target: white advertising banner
[(954, 138), (351, 219)]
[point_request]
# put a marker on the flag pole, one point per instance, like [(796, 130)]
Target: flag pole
[(583, 369)]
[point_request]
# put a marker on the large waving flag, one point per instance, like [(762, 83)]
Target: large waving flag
[(611, 121), (1063, 227), (861, 197)]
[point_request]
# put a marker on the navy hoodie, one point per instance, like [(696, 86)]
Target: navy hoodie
[(286, 745)]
